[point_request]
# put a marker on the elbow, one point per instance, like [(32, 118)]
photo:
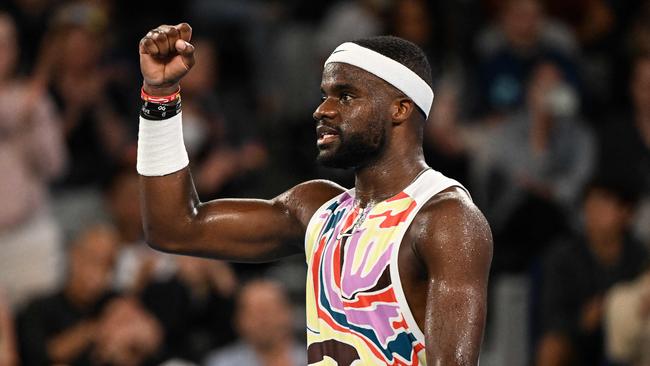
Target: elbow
[(161, 240), (155, 243)]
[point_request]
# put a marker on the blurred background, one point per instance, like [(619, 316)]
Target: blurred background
[(542, 109)]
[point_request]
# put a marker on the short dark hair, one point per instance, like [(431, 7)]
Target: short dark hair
[(405, 52), (626, 189)]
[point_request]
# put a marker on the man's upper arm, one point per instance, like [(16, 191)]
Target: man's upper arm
[(455, 244), (233, 229)]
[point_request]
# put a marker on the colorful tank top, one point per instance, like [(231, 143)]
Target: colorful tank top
[(357, 313)]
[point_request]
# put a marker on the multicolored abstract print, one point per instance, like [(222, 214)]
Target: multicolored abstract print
[(356, 310), (358, 320)]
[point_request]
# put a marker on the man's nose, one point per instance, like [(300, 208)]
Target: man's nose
[(324, 110)]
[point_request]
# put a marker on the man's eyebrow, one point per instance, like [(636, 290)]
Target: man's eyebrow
[(340, 87)]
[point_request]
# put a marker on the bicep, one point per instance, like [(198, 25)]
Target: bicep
[(457, 254), (246, 230)]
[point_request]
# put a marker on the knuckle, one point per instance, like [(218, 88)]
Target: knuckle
[(184, 26)]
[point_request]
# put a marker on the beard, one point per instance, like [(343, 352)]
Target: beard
[(354, 149)]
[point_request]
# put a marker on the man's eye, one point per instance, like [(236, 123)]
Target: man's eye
[(346, 97), (322, 98)]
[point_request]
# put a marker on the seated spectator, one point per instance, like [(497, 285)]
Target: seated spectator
[(510, 49), (8, 351), (85, 323), (528, 171), (577, 275), (264, 323), (31, 156)]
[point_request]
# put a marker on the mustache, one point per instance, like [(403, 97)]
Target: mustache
[(322, 123)]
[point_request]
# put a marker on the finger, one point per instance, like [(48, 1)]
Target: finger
[(186, 50), (185, 31), (161, 42), (173, 35), (148, 46)]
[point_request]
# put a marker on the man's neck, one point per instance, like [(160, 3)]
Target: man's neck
[(387, 176)]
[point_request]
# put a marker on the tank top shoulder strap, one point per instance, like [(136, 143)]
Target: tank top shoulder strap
[(430, 183)]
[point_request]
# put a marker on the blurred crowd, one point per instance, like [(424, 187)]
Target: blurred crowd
[(542, 109)]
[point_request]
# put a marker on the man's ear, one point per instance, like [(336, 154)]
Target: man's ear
[(402, 109)]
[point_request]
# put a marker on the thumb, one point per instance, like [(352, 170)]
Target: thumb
[(186, 51)]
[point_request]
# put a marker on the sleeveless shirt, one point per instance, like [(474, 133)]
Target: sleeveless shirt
[(357, 313)]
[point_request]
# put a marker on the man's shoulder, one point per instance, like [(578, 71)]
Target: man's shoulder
[(452, 203), (307, 197), (319, 187), (451, 213)]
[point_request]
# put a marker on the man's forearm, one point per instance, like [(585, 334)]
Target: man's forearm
[(169, 206)]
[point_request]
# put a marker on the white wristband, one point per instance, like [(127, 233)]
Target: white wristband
[(161, 150)]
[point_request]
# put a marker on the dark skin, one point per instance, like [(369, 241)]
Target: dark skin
[(445, 256)]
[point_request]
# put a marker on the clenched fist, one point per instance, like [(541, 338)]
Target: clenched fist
[(165, 57)]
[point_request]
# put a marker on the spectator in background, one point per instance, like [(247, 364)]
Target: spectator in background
[(351, 19), (191, 298), (31, 156), (8, 350), (136, 265), (85, 323), (32, 18), (624, 142), (412, 20), (509, 50), (195, 307), (594, 24), (220, 132), (528, 171), (590, 20), (578, 273), (264, 322), (88, 95)]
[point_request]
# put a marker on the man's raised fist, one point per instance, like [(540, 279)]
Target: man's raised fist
[(165, 57)]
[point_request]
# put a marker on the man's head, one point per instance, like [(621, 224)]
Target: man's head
[(609, 204), (263, 314), (521, 22), (372, 102), (91, 263)]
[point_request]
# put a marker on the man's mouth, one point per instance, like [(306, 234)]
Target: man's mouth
[(326, 135)]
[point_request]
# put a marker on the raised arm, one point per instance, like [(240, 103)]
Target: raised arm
[(455, 245), (174, 218)]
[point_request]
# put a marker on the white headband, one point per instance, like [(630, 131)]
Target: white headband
[(387, 69)]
